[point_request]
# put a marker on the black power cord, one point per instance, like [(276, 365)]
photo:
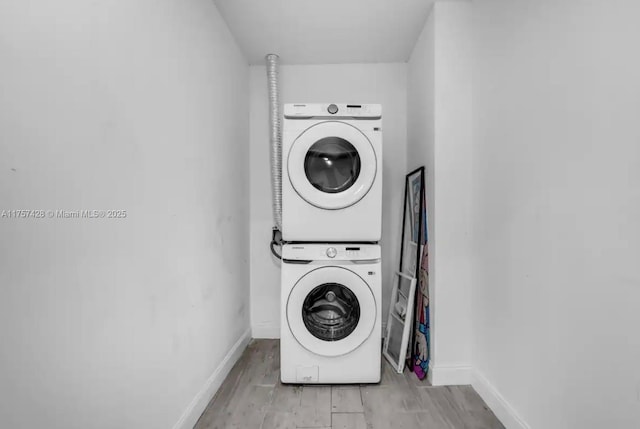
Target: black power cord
[(276, 240)]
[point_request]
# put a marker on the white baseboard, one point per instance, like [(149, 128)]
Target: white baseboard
[(265, 330), (449, 375), (500, 407), (200, 402)]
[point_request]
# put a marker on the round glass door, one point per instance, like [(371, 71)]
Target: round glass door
[(331, 312), (332, 165)]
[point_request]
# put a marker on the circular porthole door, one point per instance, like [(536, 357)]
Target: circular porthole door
[(331, 311), (332, 165)]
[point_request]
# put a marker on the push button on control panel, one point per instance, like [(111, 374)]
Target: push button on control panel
[(333, 109), (332, 252)]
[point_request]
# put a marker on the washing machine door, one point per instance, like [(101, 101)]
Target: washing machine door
[(332, 165), (331, 311)]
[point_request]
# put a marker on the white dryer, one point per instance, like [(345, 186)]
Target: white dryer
[(332, 173), (331, 328)]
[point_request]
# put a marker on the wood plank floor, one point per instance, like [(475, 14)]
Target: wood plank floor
[(252, 397)]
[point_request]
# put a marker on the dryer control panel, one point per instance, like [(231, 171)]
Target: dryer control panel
[(332, 110), (330, 252)]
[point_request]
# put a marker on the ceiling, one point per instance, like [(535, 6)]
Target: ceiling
[(326, 31)]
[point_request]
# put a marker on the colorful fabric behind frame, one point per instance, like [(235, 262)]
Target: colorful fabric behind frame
[(422, 353)]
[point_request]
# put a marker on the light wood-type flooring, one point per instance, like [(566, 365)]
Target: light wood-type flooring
[(252, 397)]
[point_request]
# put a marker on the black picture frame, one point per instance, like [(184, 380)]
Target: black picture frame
[(413, 212)]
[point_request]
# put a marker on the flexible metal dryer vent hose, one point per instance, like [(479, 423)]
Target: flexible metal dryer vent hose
[(276, 138)]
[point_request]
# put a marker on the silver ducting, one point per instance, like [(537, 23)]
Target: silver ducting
[(276, 138)]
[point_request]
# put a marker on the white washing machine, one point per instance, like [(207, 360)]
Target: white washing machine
[(331, 328), (332, 172)]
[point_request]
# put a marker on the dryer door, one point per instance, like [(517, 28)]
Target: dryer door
[(332, 165), (331, 311)]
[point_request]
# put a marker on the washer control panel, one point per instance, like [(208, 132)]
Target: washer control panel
[(332, 110), (330, 251)]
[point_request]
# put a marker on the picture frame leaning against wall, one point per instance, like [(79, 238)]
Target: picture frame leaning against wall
[(417, 259), (412, 333)]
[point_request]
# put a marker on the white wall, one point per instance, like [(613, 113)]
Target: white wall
[(421, 125), (439, 137), (139, 106), (347, 83), (556, 209)]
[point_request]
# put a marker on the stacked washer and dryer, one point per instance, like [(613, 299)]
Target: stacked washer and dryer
[(331, 224)]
